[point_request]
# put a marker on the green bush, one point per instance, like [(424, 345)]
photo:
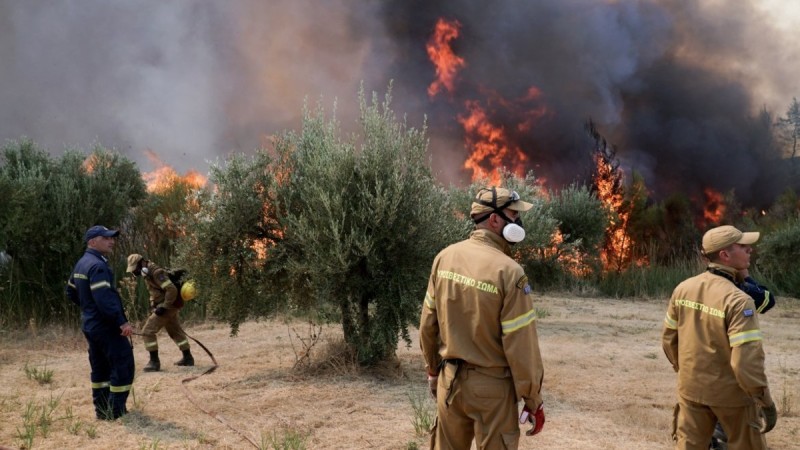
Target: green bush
[(46, 207), (363, 218), (227, 240), (654, 281), (779, 252)]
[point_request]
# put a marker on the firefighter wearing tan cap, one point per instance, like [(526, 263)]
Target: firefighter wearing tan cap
[(713, 340), (478, 333), (165, 303)]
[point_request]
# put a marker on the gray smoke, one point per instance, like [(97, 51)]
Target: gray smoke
[(676, 85)]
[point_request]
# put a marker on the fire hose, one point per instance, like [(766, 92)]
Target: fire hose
[(191, 398)]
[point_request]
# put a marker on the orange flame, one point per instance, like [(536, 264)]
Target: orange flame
[(617, 253), (714, 207), (491, 147), (164, 177), (445, 61)]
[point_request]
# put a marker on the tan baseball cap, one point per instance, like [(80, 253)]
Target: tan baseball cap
[(493, 198), (133, 261), (719, 238)]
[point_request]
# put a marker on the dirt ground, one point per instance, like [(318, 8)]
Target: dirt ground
[(607, 386)]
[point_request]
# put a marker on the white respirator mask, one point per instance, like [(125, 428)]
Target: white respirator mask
[(513, 231), (145, 271)]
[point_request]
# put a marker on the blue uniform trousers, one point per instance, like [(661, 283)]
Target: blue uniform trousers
[(111, 359)]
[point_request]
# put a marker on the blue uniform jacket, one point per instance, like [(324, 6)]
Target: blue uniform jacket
[(763, 298), (91, 287)]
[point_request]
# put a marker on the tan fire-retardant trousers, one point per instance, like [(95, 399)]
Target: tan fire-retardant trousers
[(696, 422), (168, 320), (481, 405)]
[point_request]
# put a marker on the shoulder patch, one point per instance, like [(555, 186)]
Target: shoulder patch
[(748, 312), (522, 282), (161, 276)]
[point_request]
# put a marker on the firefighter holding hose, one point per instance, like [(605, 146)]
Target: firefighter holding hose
[(165, 302)]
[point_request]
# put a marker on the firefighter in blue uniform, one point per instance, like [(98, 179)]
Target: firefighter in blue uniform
[(103, 322)]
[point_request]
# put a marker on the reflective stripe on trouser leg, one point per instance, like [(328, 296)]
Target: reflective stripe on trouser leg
[(151, 328), (122, 372), (101, 399), (176, 333)]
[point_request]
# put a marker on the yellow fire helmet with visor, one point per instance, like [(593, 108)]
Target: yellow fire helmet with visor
[(188, 291)]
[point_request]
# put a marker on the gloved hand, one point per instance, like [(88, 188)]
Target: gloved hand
[(433, 384), (160, 311), (770, 414), (535, 418)]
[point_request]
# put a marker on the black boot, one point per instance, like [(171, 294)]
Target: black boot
[(154, 365), (187, 360)]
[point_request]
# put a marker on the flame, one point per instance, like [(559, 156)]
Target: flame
[(714, 206), (489, 135), (493, 146), (92, 162), (618, 249), (445, 61), (164, 177), (572, 261)]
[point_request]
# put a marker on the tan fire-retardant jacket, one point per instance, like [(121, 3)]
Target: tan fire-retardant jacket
[(162, 291), (478, 308), (712, 338)]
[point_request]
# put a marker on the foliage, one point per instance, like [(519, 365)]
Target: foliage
[(227, 242), (779, 251), (154, 228), (423, 412), (40, 375), (363, 218), (789, 129), (47, 205), (650, 281), (665, 232)]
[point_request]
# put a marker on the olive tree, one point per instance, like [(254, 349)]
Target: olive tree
[(227, 239), (362, 217)]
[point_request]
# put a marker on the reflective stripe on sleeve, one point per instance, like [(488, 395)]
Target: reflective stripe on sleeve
[(165, 284), (670, 323), (80, 276), (745, 337), (101, 284), (516, 323), (765, 303), (429, 302)]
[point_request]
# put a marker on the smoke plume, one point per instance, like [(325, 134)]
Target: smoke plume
[(682, 88)]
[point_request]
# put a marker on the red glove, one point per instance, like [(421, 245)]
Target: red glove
[(537, 419)]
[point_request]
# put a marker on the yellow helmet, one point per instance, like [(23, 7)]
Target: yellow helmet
[(188, 291)]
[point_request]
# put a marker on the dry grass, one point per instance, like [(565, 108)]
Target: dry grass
[(607, 386)]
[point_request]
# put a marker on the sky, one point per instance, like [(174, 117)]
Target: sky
[(676, 85)]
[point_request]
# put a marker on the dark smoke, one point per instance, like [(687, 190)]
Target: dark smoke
[(681, 87)]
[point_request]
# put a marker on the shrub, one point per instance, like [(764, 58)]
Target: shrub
[(779, 251)]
